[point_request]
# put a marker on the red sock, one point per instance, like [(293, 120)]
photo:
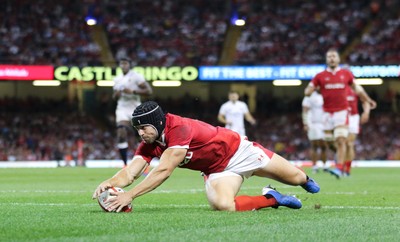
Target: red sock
[(347, 166), (340, 166), (248, 203)]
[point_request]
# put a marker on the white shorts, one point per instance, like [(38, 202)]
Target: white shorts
[(335, 119), (123, 114), (354, 124), (247, 159), (316, 131)]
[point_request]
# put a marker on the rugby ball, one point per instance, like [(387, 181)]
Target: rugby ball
[(106, 195)]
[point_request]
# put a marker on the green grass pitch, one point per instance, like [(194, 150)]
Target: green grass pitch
[(56, 205)]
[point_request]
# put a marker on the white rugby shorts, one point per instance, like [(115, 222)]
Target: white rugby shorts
[(123, 114), (316, 131), (335, 119), (354, 124), (247, 159)]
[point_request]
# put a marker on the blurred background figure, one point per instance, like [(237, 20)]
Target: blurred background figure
[(233, 112), (312, 112), (354, 123), (128, 89)]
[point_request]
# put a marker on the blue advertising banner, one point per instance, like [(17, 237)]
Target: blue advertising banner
[(302, 72)]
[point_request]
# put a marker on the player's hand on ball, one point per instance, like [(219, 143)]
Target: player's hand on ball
[(101, 188), (118, 201)]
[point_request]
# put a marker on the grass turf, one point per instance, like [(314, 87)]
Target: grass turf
[(56, 205)]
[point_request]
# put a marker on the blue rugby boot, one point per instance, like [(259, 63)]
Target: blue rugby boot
[(282, 200), (311, 186)]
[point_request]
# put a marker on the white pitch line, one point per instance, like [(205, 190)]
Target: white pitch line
[(181, 206), (43, 204), (360, 207), (179, 191), (42, 191)]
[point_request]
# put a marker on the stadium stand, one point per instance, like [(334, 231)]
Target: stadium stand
[(277, 32), (186, 33), (380, 43), (299, 32), (46, 32), (190, 33), (37, 136)]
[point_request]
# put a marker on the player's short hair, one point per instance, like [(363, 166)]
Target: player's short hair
[(332, 49), (126, 59), (149, 113)]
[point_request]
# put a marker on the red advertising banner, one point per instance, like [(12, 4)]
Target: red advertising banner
[(17, 72)]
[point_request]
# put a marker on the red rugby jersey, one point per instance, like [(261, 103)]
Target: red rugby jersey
[(333, 87), (209, 148), (352, 99)]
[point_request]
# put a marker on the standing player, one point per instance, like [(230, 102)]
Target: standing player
[(354, 124), (313, 124), (333, 83), (233, 112), (128, 88), (223, 156)]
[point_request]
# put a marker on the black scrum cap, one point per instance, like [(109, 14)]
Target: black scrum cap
[(149, 113)]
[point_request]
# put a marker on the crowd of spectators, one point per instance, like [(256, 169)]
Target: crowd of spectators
[(298, 32), (179, 32), (35, 129), (46, 33), (165, 33), (44, 135), (380, 44)]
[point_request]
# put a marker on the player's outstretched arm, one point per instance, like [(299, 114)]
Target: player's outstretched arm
[(169, 160), (124, 177)]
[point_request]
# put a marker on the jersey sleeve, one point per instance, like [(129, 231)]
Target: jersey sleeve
[(351, 78), (315, 81), (117, 84), (180, 136), (138, 78), (146, 151), (245, 108), (306, 102), (222, 110)]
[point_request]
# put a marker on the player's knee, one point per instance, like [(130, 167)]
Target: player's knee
[(340, 132), (328, 137), (224, 204), (350, 143)]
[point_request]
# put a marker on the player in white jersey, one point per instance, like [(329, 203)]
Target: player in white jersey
[(312, 113), (128, 89), (233, 112)]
